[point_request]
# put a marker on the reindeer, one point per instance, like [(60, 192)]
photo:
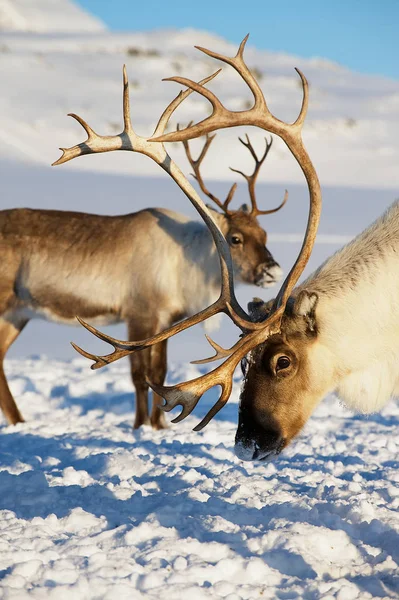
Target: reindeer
[(336, 331), (149, 269), (339, 332)]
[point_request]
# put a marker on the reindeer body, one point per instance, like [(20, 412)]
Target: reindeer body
[(358, 315), (340, 332), (106, 268), (148, 269)]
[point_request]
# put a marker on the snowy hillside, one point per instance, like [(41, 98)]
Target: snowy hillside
[(352, 130), (46, 16)]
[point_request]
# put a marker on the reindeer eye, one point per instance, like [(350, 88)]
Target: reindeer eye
[(235, 239), (283, 362)]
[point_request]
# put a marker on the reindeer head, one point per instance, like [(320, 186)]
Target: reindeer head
[(283, 381), (252, 261)]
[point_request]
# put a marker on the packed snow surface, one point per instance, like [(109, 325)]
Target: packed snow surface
[(91, 509)]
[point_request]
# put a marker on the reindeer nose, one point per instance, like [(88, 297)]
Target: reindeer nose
[(245, 451), (268, 274), (252, 451), (255, 443)]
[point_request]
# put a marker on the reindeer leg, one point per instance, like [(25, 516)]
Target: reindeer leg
[(158, 374), (140, 367), (138, 364), (8, 334)]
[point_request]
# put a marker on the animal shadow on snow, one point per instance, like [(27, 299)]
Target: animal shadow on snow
[(29, 495), (123, 403), (109, 401)]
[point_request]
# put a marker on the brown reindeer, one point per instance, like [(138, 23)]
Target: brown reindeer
[(336, 331), (149, 269)]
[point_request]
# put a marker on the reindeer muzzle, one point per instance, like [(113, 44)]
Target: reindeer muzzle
[(268, 274), (252, 442)]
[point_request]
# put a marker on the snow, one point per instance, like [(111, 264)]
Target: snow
[(89, 508), (46, 15)]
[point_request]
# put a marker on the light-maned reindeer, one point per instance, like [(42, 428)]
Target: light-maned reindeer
[(338, 330), (149, 269)]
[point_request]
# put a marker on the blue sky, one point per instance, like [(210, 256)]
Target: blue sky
[(360, 34)]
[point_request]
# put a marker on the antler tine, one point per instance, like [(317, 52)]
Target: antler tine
[(251, 179), (188, 394), (274, 210), (305, 99), (100, 361), (170, 109), (248, 144), (229, 197), (95, 143), (238, 63), (220, 353), (196, 165)]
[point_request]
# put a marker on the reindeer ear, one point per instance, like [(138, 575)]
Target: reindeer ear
[(305, 306), (244, 208), (258, 309)]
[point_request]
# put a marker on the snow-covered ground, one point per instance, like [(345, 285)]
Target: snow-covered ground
[(90, 509)]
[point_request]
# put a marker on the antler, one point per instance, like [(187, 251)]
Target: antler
[(196, 164), (251, 179), (129, 140), (187, 394)]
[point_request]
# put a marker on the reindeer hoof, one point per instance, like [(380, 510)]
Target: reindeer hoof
[(158, 425), (139, 422)]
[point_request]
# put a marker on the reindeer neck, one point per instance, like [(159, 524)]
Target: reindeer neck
[(358, 292)]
